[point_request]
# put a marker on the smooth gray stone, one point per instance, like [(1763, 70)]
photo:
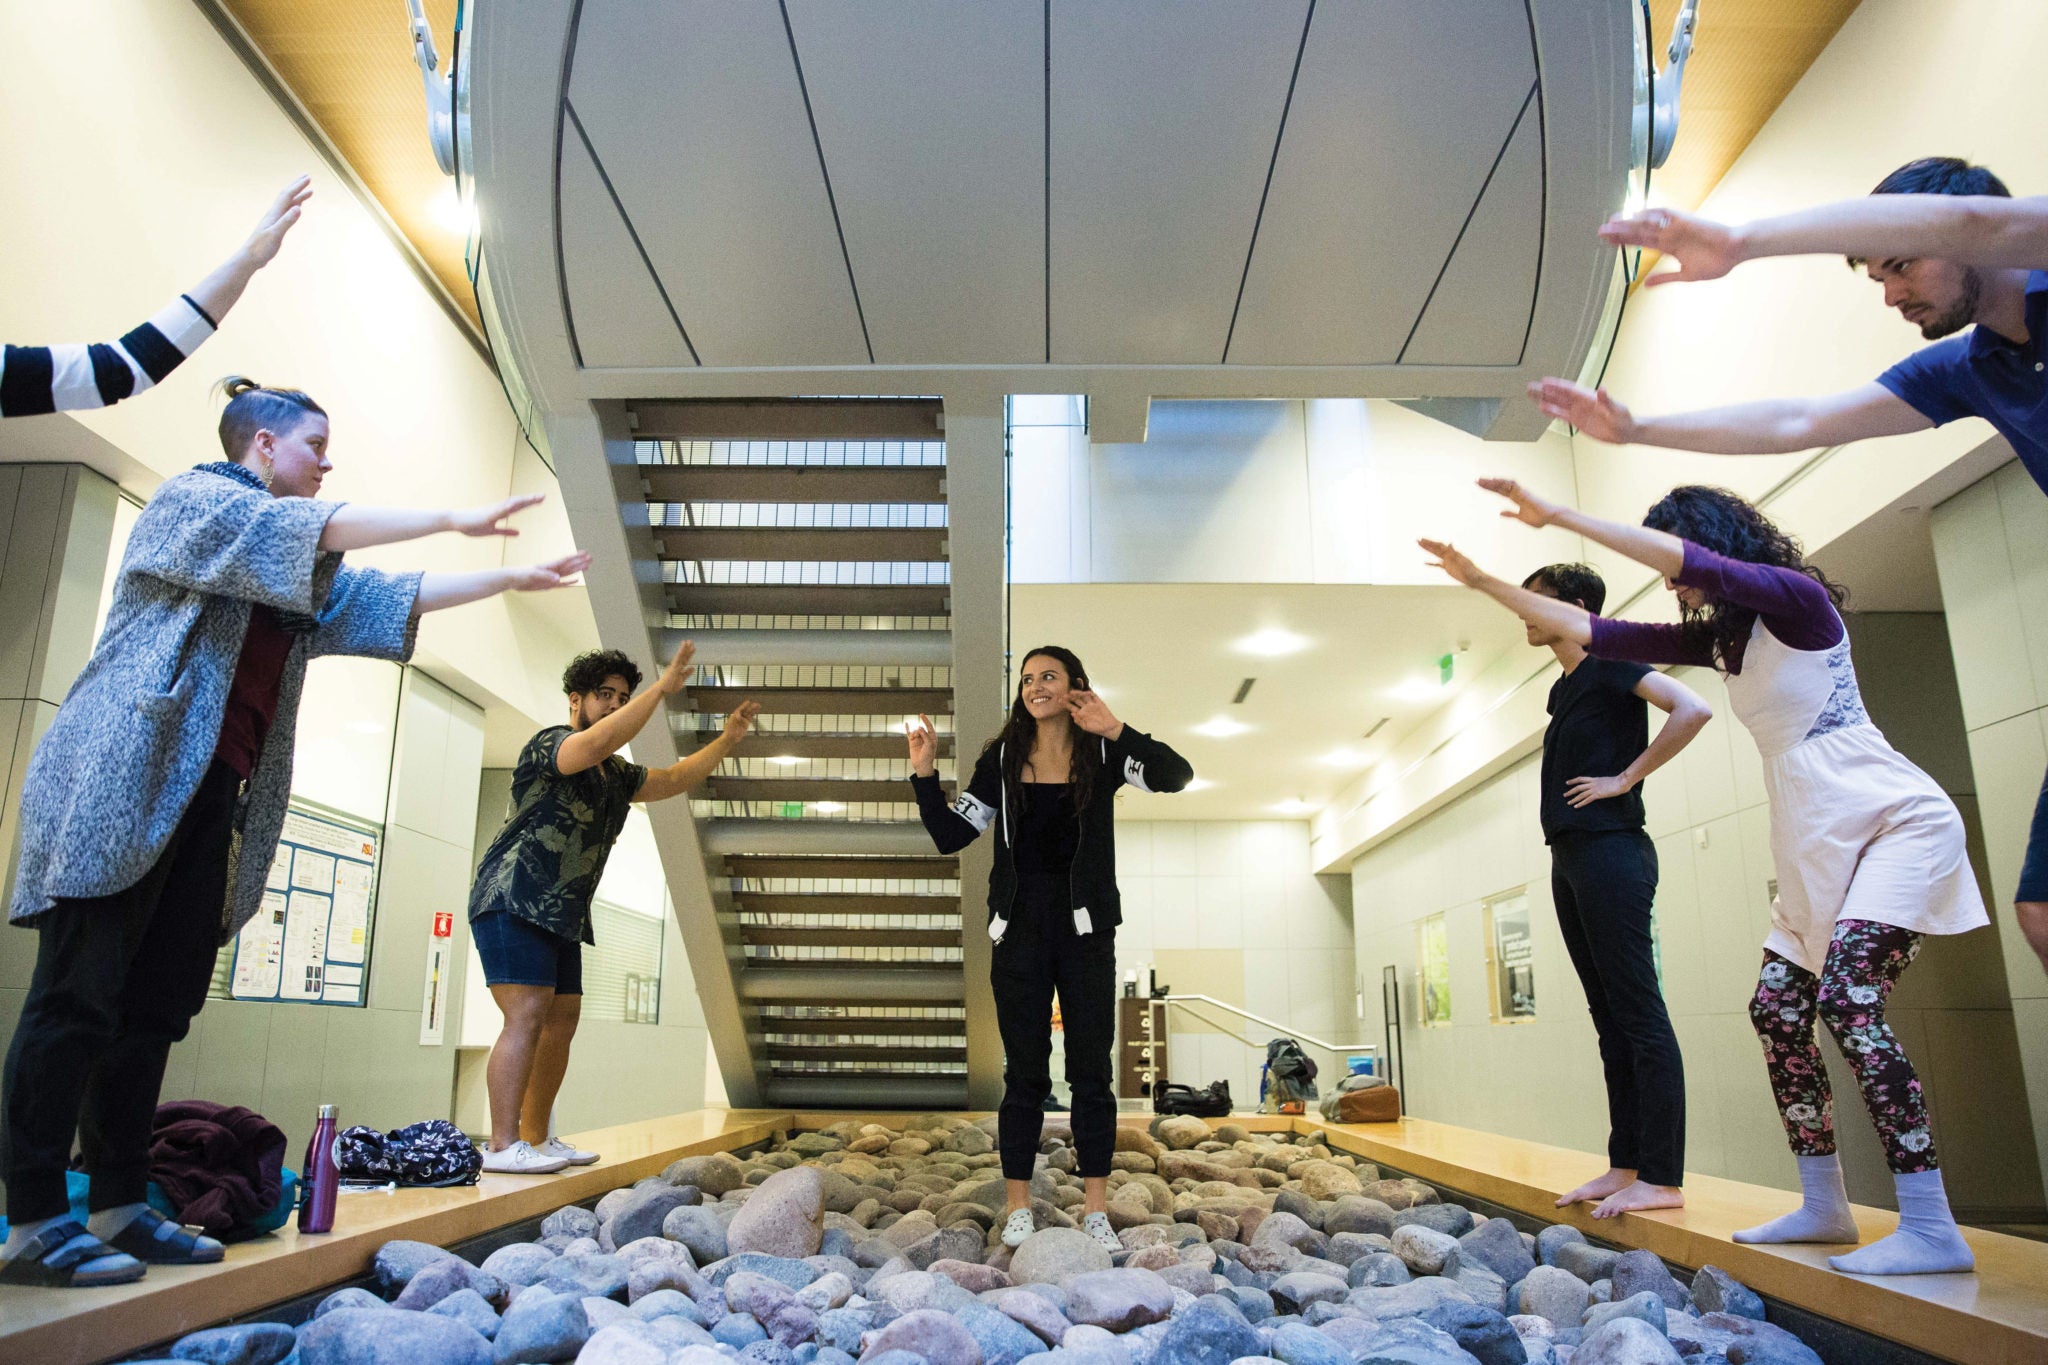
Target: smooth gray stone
[(387, 1336), (1003, 1340), (1639, 1271), (540, 1329), (791, 1271), (1553, 1293), (1296, 1290), (1453, 1220), (601, 1276), (1119, 1300), (936, 1337), (1203, 1335), (352, 1297), (1488, 1336), (249, 1343), (1379, 1270), (1296, 1344), (1714, 1290), (1625, 1341), (521, 1263), (472, 1310), (573, 1221), (1553, 1237), (643, 1211), (1497, 1245), (1584, 1260)]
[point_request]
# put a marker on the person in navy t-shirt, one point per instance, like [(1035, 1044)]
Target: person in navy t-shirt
[(1960, 259)]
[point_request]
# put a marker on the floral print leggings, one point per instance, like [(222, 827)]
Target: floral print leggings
[(1864, 961)]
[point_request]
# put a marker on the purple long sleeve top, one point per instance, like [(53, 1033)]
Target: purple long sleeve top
[(1792, 605)]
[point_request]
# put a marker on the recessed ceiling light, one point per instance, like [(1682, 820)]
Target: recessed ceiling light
[(785, 760), (1272, 642), (1347, 758), (828, 807), (1221, 727), (1417, 688)]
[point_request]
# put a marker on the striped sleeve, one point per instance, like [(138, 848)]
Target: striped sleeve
[(39, 379)]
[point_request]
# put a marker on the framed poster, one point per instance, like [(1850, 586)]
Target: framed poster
[(1510, 958), (310, 941), (1433, 981)]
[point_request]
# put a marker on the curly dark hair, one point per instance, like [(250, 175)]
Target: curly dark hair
[(587, 671), (1730, 526), (1019, 734), (1576, 583)]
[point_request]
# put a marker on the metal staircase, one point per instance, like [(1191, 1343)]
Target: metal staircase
[(811, 570)]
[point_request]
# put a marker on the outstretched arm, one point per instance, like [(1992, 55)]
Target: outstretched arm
[(1979, 230), (687, 771), (1657, 550), (68, 378), (1566, 619), (440, 591), (354, 526), (601, 739), (1774, 426)]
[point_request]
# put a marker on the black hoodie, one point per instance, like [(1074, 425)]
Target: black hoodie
[(1132, 757)]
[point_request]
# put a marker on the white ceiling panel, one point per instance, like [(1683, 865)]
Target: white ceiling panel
[(1164, 114), (1479, 313), (617, 313), (932, 117), (1399, 112), (695, 111)]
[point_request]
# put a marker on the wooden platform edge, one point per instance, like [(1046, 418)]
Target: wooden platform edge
[(1942, 1315)]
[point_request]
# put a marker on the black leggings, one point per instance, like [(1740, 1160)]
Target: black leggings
[(117, 981), (1603, 886), (1041, 953)]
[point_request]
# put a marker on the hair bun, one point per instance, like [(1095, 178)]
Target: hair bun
[(234, 386)]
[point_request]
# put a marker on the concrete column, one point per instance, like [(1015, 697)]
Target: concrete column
[(977, 512)]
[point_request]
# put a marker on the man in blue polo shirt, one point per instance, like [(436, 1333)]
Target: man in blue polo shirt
[(1954, 251)]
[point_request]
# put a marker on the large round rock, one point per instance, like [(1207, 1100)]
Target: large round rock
[(389, 1336), (784, 1216), (928, 1333), (1052, 1254), (1119, 1300)]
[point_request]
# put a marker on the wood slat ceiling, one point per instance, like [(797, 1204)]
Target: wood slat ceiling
[(1747, 56), (350, 63)]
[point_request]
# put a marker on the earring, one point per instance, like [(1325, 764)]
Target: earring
[(269, 473)]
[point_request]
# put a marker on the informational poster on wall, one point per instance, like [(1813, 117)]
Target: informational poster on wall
[(310, 942), (1513, 956), (1434, 978)]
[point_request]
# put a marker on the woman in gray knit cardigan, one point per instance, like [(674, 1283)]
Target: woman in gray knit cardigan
[(152, 807)]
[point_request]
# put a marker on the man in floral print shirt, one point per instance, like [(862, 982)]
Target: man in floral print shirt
[(529, 909)]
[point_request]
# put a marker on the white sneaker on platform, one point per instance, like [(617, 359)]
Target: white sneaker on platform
[(1017, 1227), (1096, 1225), (575, 1156), (521, 1159)]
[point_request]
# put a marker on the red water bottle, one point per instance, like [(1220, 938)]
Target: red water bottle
[(322, 1177)]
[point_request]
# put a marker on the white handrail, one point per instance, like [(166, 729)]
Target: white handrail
[(1370, 1048)]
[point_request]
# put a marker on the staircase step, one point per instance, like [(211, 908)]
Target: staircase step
[(820, 544), (857, 1027), (850, 1090), (788, 419), (866, 982), (809, 599), (841, 903), (825, 701), (783, 744), (775, 483), (762, 866), (930, 648), (767, 936), (785, 837), (856, 1052), (805, 789)]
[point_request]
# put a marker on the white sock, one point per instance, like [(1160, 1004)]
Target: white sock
[(108, 1223), (20, 1234), (1927, 1241), (1823, 1217)]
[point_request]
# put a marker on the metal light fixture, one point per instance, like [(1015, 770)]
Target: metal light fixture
[(440, 90), (1654, 127)]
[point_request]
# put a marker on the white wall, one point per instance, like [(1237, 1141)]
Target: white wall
[(1991, 544), (1231, 910)]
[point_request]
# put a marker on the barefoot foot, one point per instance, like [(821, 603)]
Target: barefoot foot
[(1599, 1187), (1637, 1196)]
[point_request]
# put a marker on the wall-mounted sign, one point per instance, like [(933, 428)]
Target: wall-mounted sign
[(1511, 956), (310, 941)]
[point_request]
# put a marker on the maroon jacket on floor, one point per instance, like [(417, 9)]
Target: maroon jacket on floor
[(221, 1166)]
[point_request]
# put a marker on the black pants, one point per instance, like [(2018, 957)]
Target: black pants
[(1041, 953), (1604, 885), (117, 981)]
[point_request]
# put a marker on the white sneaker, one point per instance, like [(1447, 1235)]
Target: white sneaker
[(1017, 1227), (575, 1156), (1096, 1225), (521, 1159)]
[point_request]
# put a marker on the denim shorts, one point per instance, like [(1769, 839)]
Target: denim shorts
[(516, 952)]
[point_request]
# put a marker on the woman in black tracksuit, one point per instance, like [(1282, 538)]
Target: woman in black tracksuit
[(1045, 783)]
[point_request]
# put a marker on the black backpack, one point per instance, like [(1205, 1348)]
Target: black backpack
[(1212, 1103), (431, 1153)]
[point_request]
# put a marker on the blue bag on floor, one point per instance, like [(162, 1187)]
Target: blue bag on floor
[(77, 1185)]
